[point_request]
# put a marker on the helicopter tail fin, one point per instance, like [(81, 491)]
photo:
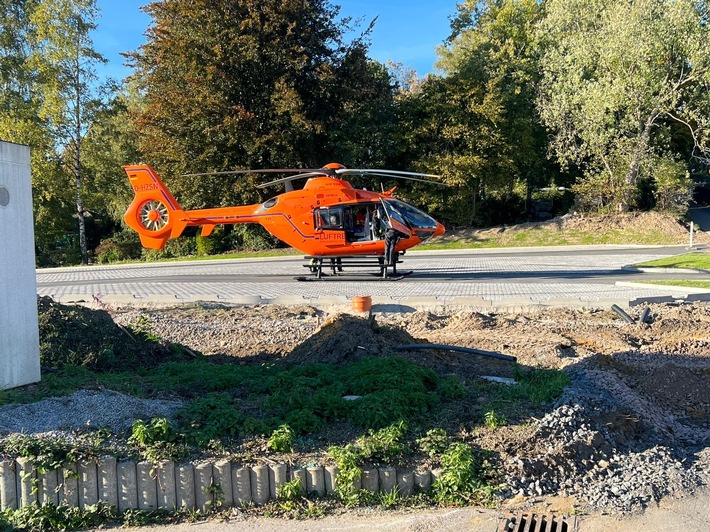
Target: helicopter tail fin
[(154, 213)]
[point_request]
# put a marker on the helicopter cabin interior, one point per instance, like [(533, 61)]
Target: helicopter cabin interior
[(362, 222)]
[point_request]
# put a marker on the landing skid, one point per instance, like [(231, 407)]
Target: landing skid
[(337, 266), (355, 277)]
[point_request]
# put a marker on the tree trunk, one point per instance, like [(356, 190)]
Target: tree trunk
[(633, 171)]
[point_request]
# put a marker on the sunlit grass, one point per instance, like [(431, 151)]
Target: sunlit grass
[(686, 283), (693, 261), (549, 236)]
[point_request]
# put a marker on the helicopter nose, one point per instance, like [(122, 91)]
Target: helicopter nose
[(440, 229)]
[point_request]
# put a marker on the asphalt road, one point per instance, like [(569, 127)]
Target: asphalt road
[(573, 276)]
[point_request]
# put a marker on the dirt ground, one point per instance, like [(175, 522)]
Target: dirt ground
[(666, 359), (656, 372)]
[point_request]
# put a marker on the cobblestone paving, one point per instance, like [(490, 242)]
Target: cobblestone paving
[(538, 278)]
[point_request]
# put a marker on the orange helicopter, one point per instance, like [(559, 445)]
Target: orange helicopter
[(326, 219)]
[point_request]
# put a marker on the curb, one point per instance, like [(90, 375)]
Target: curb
[(168, 486)]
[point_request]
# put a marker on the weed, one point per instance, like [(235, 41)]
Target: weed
[(157, 440), (389, 499), (383, 445), (281, 439), (209, 418), (50, 517), (537, 385), (493, 420), (451, 388), (464, 478), (290, 491), (434, 443)]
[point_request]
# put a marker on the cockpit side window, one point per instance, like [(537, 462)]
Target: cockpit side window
[(328, 218)]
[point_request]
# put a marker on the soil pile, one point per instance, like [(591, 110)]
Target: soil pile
[(344, 338), (81, 336)]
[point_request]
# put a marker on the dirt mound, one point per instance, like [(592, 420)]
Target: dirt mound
[(581, 228), (344, 338), (80, 336)]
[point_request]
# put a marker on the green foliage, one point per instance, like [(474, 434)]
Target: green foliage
[(281, 439), (383, 445), (210, 417), (226, 86), (494, 420), (477, 126), (184, 246), (451, 388), (123, 245), (673, 186), (157, 440), (46, 454), (537, 385), (290, 491), (50, 517), (434, 443), (347, 458), (465, 478), (621, 85)]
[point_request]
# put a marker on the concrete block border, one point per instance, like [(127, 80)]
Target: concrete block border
[(166, 485)]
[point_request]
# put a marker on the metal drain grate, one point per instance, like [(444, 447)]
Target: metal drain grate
[(527, 522)]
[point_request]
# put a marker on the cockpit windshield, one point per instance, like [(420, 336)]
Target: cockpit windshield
[(414, 218)]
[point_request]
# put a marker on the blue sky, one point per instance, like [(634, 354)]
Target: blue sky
[(407, 31)]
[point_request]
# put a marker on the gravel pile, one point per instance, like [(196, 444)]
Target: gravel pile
[(83, 409), (617, 452)]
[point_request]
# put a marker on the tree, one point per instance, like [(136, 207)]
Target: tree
[(243, 84), (618, 80), (478, 122), (64, 59), (20, 122)]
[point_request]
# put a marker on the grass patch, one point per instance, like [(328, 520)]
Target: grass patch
[(682, 282), (545, 236), (694, 261)]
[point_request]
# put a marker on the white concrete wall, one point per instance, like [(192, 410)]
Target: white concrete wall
[(19, 335)]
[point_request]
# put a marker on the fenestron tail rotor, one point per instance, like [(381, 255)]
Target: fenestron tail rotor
[(153, 215)]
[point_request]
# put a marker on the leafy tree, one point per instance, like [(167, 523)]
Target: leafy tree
[(621, 80), (64, 59), (478, 123), (234, 84), (20, 122)]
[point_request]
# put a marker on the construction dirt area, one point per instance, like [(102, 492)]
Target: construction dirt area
[(631, 428)]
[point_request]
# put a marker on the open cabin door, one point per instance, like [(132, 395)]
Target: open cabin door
[(395, 220)]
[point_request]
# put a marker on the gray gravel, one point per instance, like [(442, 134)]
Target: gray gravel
[(83, 409)]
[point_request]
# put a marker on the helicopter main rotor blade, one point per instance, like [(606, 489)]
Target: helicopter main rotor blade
[(365, 171), (315, 173), (397, 174), (264, 171)]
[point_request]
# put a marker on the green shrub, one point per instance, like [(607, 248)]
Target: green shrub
[(157, 440), (281, 439), (493, 420), (434, 443), (124, 245), (463, 478)]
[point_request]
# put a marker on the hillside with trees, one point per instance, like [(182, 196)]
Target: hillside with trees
[(609, 100)]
